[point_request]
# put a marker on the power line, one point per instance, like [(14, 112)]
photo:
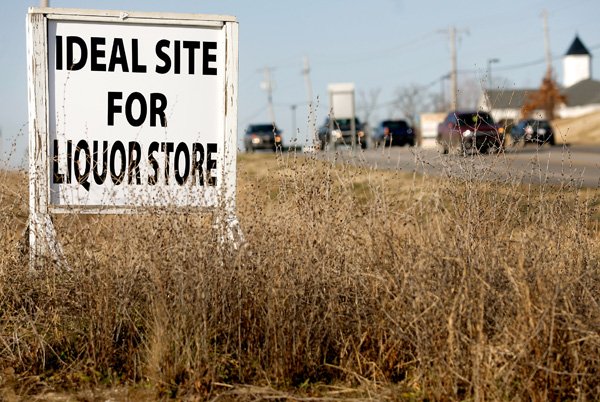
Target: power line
[(452, 33), (253, 115), (524, 64), (376, 54)]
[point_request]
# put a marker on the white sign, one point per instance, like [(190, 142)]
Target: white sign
[(129, 111), (341, 97), (138, 110)]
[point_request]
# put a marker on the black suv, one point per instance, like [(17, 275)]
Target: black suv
[(532, 130), (394, 132), (262, 136), (339, 132)]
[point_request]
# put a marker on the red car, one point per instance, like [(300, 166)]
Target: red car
[(470, 131)]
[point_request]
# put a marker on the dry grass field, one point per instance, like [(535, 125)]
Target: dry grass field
[(584, 130), (351, 284)]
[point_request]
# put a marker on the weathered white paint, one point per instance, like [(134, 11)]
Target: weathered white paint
[(233, 231), (159, 17), (58, 108), (42, 236)]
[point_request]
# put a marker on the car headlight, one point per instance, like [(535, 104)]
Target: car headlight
[(467, 133), (337, 133), (256, 140)]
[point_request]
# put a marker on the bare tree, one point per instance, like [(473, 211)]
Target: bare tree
[(411, 101), (469, 93), (367, 103), (438, 102)]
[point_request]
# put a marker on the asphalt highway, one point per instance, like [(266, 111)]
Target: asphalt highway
[(578, 165)]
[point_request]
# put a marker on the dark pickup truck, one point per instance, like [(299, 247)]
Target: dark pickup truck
[(339, 132)]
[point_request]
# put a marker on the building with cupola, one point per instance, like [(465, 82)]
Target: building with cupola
[(577, 64), (581, 91)]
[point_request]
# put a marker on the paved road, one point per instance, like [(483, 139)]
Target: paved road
[(530, 164)]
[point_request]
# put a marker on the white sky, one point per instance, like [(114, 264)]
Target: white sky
[(377, 44)]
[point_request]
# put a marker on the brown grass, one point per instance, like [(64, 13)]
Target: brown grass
[(583, 130), (352, 284)]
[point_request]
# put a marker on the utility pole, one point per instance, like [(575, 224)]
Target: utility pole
[(547, 43), (453, 63), (293, 109), (452, 33), (489, 66), (312, 137), (267, 85)]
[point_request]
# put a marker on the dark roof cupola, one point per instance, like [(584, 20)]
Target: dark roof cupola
[(577, 48)]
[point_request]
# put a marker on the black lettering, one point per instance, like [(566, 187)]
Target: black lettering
[(117, 178), (143, 109), (208, 57), (134, 162), (112, 108), (100, 177), (197, 161), (191, 46), (211, 164), (96, 53), (158, 104), (136, 67), (117, 56), (69, 160), (177, 57), (59, 52), (152, 179), (72, 41), (82, 178), (167, 148), (182, 149), (57, 178), (163, 56)]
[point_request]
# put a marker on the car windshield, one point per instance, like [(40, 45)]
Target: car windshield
[(261, 128), (344, 124), (472, 119), (538, 123), (399, 124)]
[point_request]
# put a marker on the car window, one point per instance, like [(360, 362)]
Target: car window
[(543, 124), (261, 128), (345, 124), (472, 119), (451, 118), (395, 124)]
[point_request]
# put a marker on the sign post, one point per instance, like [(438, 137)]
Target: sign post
[(130, 112)]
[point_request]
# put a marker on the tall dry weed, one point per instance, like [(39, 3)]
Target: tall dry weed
[(451, 288)]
